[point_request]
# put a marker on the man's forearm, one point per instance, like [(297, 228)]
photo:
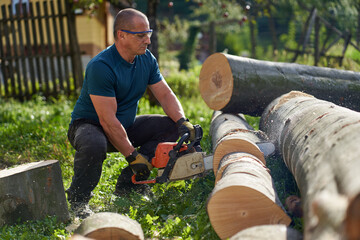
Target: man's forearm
[(117, 136), (172, 107)]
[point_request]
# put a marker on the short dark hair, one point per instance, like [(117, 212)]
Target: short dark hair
[(124, 19)]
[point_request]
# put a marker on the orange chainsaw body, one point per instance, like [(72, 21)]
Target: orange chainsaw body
[(162, 157)]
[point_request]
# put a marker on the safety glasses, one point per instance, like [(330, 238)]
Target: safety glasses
[(140, 35)]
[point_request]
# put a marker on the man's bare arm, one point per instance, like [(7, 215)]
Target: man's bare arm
[(168, 100), (106, 110)]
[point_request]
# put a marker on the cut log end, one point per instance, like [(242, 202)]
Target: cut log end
[(230, 145), (233, 209), (265, 232), (107, 225), (216, 81)]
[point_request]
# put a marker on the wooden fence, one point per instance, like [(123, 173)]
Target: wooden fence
[(39, 51)]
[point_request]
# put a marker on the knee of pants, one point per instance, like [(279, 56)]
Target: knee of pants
[(93, 150)]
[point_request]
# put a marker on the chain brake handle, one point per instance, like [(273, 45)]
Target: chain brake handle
[(174, 154)]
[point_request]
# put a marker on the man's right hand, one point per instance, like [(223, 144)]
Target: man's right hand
[(139, 164)]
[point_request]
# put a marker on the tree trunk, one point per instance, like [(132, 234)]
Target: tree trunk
[(107, 225), (151, 14), (244, 197), (231, 132), (265, 232), (252, 35), (237, 84), (319, 142), (272, 27), (31, 192)]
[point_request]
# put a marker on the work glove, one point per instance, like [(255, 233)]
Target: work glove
[(140, 165), (184, 126)]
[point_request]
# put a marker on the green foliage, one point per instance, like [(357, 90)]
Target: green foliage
[(289, 39), (187, 55), (172, 34), (46, 229), (33, 130)]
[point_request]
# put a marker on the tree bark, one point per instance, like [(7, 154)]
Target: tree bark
[(107, 225), (319, 142), (230, 133), (265, 232), (31, 192), (244, 197), (243, 85), (151, 14)]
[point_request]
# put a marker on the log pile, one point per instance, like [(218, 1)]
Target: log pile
[(319, 142), (243, 195), (31, 192), (317, 136)]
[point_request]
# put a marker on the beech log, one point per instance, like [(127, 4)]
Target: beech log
[(244, 197), (231, 133), (266, 232), (319, 142), (242, 85), (31, 192), (109, 226)]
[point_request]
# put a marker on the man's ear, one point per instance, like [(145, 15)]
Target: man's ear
[(120, 34)]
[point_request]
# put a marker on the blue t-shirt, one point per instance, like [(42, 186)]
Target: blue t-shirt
[(108, 74)]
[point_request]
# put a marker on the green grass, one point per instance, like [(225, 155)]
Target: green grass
[(36, 130)]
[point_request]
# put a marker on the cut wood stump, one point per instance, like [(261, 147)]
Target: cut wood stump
[(242, 85), (31, 192), (266, 232), (109, 226), (244, 197), (319, 142)]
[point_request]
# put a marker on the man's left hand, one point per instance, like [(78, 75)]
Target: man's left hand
[(184, 126)]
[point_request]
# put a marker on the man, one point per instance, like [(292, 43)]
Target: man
[(104, 117)]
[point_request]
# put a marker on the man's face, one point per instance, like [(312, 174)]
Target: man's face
[(138, 38)]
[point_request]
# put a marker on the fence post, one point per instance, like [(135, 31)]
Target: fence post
[(74, 47)]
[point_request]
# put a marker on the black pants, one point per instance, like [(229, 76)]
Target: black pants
[(91, 145)]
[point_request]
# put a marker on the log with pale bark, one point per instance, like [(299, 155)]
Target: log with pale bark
[(108, 226), (266, 232), (231, 133), (319, 142), (244, 197), (244, 85), (31, 192)]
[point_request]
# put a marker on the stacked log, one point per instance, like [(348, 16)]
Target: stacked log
[(242, 85), (31, 192), (108, 226), (265, 232), (243, 195), (319, 142)]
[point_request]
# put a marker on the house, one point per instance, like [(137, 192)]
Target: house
[(94, 30)]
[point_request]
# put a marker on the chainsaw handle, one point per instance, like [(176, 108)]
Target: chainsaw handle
[(181, 141), (133, 179)]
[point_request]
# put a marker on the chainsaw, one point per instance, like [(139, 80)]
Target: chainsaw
[(179, 160)]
